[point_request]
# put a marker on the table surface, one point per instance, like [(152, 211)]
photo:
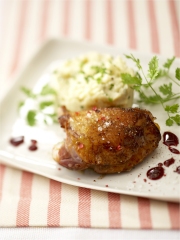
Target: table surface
[(144, 25), (83, 233)]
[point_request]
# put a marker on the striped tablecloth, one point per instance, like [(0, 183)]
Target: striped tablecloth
[(149, 26)]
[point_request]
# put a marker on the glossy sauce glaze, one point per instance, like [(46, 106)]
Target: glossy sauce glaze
[(16, 141), (155, 173), (170, 139), (174, 150), (177, 170), (158, 172), (169, 162), (33, 146)]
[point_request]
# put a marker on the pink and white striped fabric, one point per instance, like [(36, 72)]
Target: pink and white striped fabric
[(149, 26)]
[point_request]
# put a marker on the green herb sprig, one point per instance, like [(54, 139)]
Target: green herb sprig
[(41, 104), (164, 93)]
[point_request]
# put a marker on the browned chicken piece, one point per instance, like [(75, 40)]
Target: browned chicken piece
[(108, 140)]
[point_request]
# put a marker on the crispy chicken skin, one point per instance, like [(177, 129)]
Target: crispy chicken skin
[(108, 140)]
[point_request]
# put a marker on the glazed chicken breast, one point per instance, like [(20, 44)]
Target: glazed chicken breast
[(108, 140)]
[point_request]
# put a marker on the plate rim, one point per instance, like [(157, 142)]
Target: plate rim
[(74, 183)]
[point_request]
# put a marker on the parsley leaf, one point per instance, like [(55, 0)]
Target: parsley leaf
[(98, 80), (100, 69), (111, 86)]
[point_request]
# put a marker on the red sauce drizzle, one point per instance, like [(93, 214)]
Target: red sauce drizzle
[(174, 150), (177, 170), (169, 162), (155, 173), (16, 141), (170, 139), (33, 146)]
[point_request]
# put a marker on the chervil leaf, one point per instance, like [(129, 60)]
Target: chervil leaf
[(21, 103), (129, 56), (53, 117), (176, 119), (138, 76), (148, 94), (145, 86), (161, 73), (45, 104), (166, 89), (46, 90), (178, 73), (153, 68), (136, 60), (150, 99), (28, 92), (128, 79), (168, 63), (31, 117), (137, 88), (169, 122), (172, 108)]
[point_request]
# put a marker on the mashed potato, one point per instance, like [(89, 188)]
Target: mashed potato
[(90, 80)]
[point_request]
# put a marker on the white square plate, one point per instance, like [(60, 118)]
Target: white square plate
[(133, 183)]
